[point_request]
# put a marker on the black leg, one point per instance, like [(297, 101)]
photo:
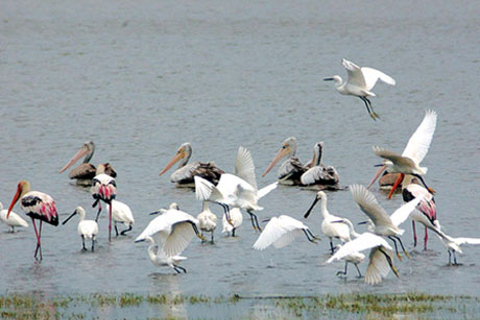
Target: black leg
[(233, 232), (116, 230), (403, 248), (123, 233), (396, 247), (310, 236), (345, 271), (93, 244), (359, 273), (332, 249), (83, 243), (179, 269)]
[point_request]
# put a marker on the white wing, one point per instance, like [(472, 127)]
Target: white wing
[(371, 77), (355, 76), (378, 266), (266, 190), (244, 167), (205, 190), (280, 232), (312, 175), (402, 213), (365, 241), (182, 234), (419, 143), (461, 241), (369, 205)]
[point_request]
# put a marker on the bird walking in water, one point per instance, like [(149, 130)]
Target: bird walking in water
[(360, 82), (159, 258), (86, 228), (207, 220), (14, 220), (38, 206), (183, 176), (104, 188), (121, 213)]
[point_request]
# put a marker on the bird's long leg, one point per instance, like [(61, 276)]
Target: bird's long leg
[(414, 234), (83, 243), (95, 203), (116, 229), (396, 247), (425, 240), (38, 238), (390, 262), (370, 111), (310, 236), (403, 248), (345, 271), (198, 233), (424, 183), (123, 233), (455, 263), (93, 244), (332, 249), (226, 210), (110, 223), (359, 273), (254, 219), (178, 268), (39, 248), (211, 239), (233, 232), (449, 258)]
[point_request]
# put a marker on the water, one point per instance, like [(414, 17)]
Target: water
[(140, 78)]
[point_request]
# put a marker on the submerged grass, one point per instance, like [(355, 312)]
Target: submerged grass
[(37, 306)]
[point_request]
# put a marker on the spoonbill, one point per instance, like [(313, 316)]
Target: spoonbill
[(104, 188), (121, 213), (380, 258), (183, 176), (38, 206), (332, 226), (161, 259), (207, 220), (360, 82), (453, 244), (413, 154), (231, 225), (85, 172), (281, 231), (86, 228), (173, 230), (236, 190), (14, 220), (384, 225)]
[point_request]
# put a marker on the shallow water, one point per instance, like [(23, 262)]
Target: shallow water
[(139, 79)]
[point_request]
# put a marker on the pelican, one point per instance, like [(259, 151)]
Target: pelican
[(291, 170), (85, 172), (160, 259), (319, 176), (384, 225), (380, 258), (86, 228), (281, 231), (14, 220), (236, 190), (231, 225), (121, 213), (360, 82), (453, 244), (207, 220), (183, 176), (413, 154), (173, 230), (104, 188), (332, 226), (38, 206)]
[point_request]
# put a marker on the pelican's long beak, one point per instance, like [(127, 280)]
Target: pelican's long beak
[(179, 155), (395, 185), (282, 153), (14, 200), (80, 153), (311, 207), (70, 217), (378, 174)]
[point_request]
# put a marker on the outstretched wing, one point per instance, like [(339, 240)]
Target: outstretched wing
[(419, 143), (244, 167), (371, 76)]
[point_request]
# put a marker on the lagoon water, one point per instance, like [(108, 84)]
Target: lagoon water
[(141, 77)]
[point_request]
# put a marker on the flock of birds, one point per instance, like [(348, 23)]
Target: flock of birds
[(171, 231)]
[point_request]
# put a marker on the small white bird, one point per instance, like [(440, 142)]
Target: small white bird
[(453, 244), (384, 225), (380, 258), (236, 220), (121, 213), (86, 228), (160, 259), (360, 82), (332, 226), (207, 220), (14, 220), (281, 231)]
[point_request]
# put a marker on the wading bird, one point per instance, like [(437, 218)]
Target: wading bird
[(332, 226), (207, 220), (85, 172), (453, 244), (38, 206), (183, 176), (281, 231), (161, 259), (121, 213), (360, 82), (86, 228), (104, 188), (235, 190), (384, 225), (14, 220)]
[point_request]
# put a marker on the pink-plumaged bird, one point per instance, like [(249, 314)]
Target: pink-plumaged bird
[(38, 206), (104, 188)]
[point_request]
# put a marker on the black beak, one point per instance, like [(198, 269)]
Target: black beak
[(328, 79), (70, 217), (311, 207)]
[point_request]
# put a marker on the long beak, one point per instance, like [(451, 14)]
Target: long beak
[(14, 201), (175, 159), (80, 153), (70, 217), (311, 207), (283, 152), (154, 212), (328, 79), (395, 185), (378, 174)]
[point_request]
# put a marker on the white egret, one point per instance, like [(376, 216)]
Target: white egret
[(121, 213), (360, 82), (161, 259), (231, 225), (384, 225), (14, 220), (207, 220), (281, 231), (332, 226), (453, 244), (86, 228)]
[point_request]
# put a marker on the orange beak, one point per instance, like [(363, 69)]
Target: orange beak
[(179, 155), (81, 153), (282, 153), (14, 200), (395, 185)]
